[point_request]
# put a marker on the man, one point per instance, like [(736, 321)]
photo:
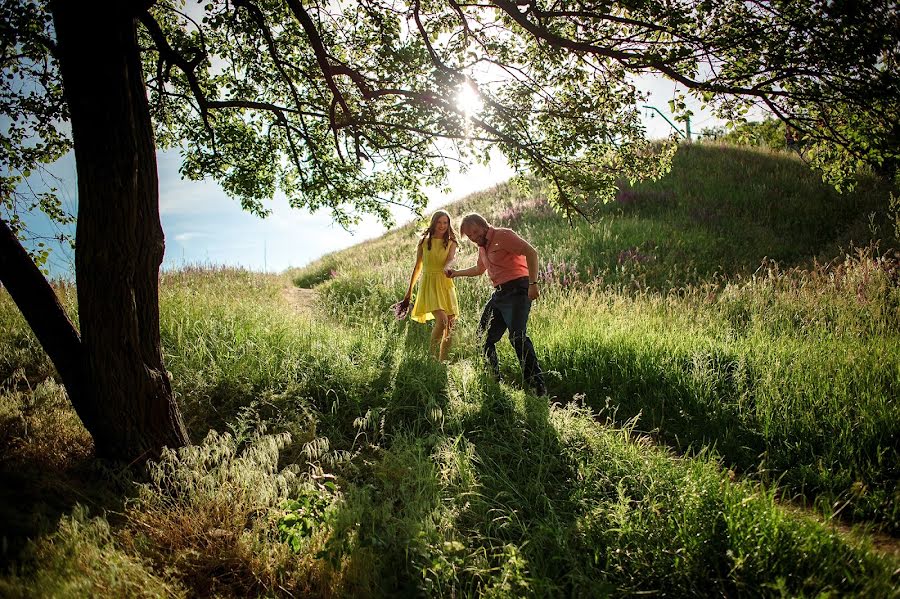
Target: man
[(512, 265)]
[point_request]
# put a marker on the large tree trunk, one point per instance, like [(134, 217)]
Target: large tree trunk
[(119, 240)]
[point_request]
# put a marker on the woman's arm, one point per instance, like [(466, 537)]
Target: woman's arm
[(451, 255), (416, 270)]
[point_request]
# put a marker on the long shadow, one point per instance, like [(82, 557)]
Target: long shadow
[(526, 481), (419, 393), (528, 486), (537, 514), (34, 497), (666, 404), (721, 415), (407, 415)]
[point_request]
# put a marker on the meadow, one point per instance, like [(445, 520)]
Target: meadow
[(723, 357)]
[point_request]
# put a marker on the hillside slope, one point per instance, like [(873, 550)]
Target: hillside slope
[(737, 304), (718, 213)]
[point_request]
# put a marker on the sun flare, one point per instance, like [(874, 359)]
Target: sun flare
[(468, 100)]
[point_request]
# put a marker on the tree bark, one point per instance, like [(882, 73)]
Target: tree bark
[(44, 314), (119, 241)]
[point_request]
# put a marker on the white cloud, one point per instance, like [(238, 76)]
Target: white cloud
[(190, 235)]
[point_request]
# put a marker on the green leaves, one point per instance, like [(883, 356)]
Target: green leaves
[(303, 515), (33, 113), (351, 107), (358, 111)]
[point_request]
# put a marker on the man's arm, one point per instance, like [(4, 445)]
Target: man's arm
[(531, 257), (472, 271)]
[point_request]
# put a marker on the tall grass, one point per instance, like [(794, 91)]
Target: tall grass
[(789, 379), (725, 304), (345, 461), (441, 482)]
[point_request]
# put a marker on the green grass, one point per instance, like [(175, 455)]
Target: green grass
[(814, 410), (726, 304), (691, 395)]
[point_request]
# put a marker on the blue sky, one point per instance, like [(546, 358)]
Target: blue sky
[(204, 226)]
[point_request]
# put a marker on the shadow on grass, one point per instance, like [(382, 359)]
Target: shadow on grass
[(381, 519), (35, 495), (524, 512), (718, 412), (666, 401), (521, 513)]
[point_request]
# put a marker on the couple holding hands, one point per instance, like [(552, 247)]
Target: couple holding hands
[(511, 264)]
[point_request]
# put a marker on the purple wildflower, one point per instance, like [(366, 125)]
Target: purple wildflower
[(401, 308)]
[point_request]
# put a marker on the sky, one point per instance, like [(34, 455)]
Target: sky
[(203, 226)]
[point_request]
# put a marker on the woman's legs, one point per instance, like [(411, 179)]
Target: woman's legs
[(437, 335), (445, 341)]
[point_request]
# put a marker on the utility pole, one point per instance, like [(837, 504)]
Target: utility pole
[(679, 131)]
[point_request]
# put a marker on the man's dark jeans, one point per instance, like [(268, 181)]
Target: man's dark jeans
[(508, 308)]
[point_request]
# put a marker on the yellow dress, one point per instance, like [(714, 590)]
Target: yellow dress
[(436, 290)]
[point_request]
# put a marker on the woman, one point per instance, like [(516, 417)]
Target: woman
[(436, 298)]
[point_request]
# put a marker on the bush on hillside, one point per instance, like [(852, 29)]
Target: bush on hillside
[(770, 133)]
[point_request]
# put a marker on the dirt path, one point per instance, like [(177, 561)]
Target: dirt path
[(881, 542), (301, 300)]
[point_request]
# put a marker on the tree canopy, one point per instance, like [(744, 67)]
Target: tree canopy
[(33, 114), (353, 106)]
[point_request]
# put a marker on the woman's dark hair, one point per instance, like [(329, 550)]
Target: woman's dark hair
[(449, 235)]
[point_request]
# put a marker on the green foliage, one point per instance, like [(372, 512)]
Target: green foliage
[(720, 212), (32, 130), (894, 214), (85, 558), (351, 108), (786, 375), (770, 315), (20, 349), (768, 133), (355, 135), (303, 514)]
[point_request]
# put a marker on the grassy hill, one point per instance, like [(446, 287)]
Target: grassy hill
[(720, 343), (737, 303)]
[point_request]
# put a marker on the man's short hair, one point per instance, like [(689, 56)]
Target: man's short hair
[(473, 218)]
